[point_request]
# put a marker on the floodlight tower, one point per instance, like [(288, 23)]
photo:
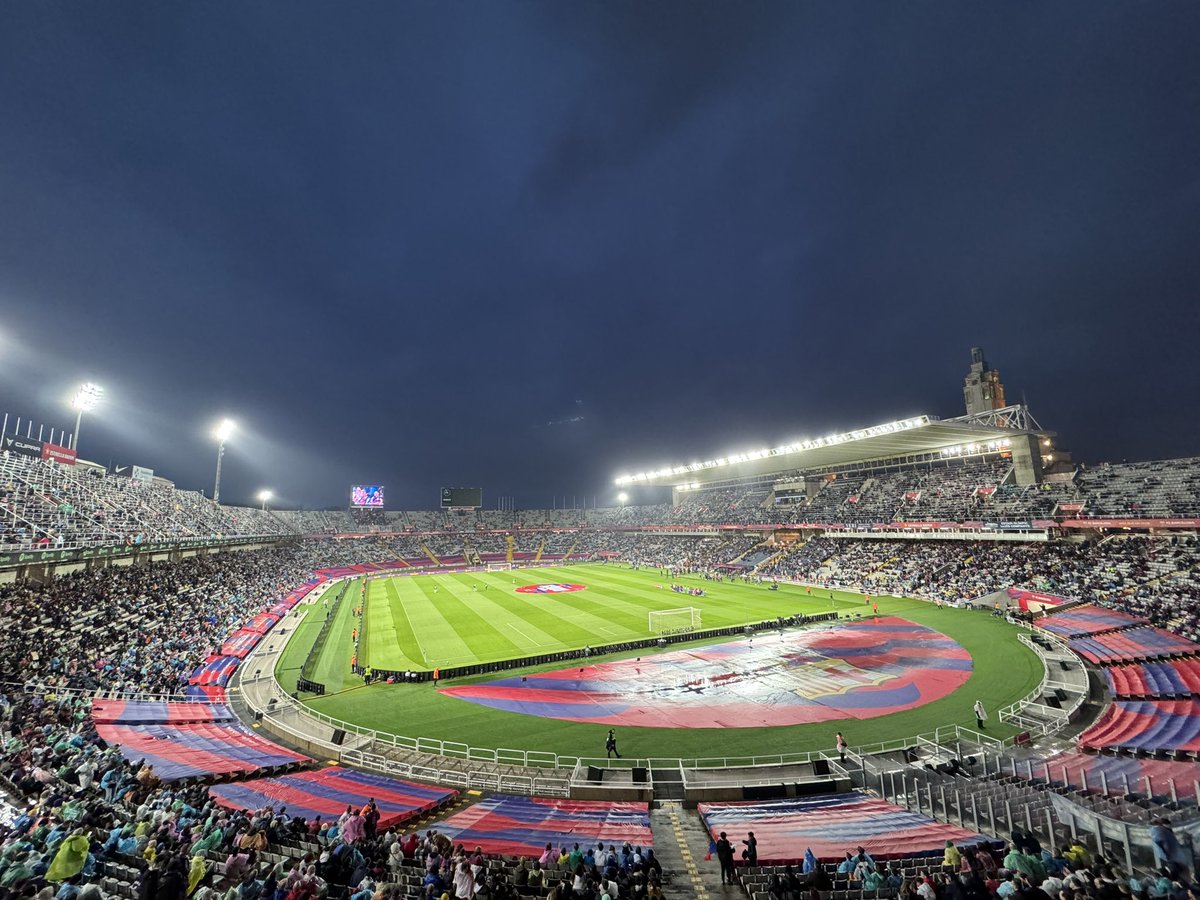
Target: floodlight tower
[(223, 432), (264, 496), (622, 498), (85, 400)]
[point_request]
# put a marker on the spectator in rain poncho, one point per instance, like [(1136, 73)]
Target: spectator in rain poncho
[(70, 859)]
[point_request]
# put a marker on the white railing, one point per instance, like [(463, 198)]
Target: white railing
[(1052, 720)]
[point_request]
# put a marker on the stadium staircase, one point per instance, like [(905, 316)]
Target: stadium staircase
[(508, 548), (537, 557), (471, 554), (680, 843), (425, 549), (755, 549), (778, 555), (570, 550)]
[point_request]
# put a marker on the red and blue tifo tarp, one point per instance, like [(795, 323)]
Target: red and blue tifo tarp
[(1149, 725), (199, 750), (158, 712), (831, 824), (857, 670), (1083, 620), (523, 826), (1120, 773), (262, 623), (240, 643), (1165, 678), (215, 671), (1132, 645), (327, 793)]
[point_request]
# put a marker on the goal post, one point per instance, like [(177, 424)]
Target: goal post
[(674, 621)]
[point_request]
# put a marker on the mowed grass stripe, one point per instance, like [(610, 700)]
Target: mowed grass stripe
[(389, 636), (593, 617), (440, 639), (579, 613), (287, 669), (717, 609), (614, 601), (381, 630), (333, 668), (505, 614), (482, 638), (724, 603), (553, 622), (406, 639), (480, 612)]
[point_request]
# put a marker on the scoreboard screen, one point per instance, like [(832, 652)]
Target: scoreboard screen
[(462, 498), (367, 495)]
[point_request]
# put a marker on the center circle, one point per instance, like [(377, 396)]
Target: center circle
[(556, 588)]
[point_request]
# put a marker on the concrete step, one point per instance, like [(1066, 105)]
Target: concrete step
[(680, 843)]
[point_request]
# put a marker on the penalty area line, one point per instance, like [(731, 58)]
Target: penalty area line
[(521, 633)]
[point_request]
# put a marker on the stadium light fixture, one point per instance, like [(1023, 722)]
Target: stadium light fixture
[(794, 447), (264, 496), (223, 432), (86, 399), (622, 498)]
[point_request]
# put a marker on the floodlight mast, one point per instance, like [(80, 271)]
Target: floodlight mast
[(264, 496), (85, 400), (222, 433)]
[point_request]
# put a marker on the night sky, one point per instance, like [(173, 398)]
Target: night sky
[(527, 246)]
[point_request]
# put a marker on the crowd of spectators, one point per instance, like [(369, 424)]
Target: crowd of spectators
[(1163, 489), (1157, 578), (90, 824), (1024, 870), (145, 628), (91, 813), (44, 505)]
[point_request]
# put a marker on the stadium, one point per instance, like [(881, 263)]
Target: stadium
[(919, 632), (546, 451)]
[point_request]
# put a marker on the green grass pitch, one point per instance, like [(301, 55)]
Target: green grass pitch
[(478, 617), (446, 620)]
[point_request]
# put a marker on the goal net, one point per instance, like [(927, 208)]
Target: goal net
[(674, 621), (499, 567)]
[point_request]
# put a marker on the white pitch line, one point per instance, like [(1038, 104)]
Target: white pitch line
[(520, 632), (611, 630)]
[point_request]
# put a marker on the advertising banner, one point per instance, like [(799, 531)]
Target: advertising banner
[(141, 473), (23, 446), (120, 471), (1131, 523), (62, 455)]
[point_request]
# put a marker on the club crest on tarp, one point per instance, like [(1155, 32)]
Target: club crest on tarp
[(556, 588)]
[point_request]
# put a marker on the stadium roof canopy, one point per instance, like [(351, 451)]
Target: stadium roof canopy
[(919, 435)]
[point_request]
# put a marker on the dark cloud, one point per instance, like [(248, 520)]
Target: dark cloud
[(393, 240)]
